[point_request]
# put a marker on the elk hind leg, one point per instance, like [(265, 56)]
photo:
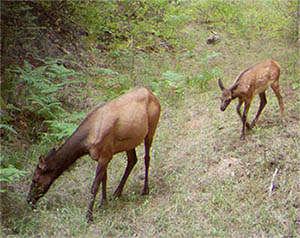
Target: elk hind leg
[(275, 87), (153, 121), (104, 196), (148, 143), (131, 161), (263, 102)]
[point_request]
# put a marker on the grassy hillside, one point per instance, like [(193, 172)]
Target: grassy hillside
[(204, 180)]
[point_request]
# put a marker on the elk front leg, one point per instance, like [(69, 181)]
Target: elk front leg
[(244, 118), (263, 102), (100, 174), (238, 110)]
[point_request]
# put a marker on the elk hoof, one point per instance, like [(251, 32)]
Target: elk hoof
[(145, 191), (117, 193), (249, 127), (104, 203), (89, 217)]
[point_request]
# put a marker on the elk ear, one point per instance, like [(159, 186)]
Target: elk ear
[(221, 84), (42, 163)]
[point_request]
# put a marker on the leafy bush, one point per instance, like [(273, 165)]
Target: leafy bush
[(207, 72), (8, 173), (172, 81), (62, 127), (33, 94), (202, 80), (42, 87)]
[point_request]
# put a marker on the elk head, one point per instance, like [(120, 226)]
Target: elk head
[(42, 179), (227, 95)]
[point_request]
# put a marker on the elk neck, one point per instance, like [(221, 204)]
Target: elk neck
[(73, 148)]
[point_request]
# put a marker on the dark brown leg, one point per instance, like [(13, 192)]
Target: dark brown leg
[(104, 197), (148, 143), (100, 174), (131, 161), (238, 110), (275, 87), (263, 102), (244, 118)]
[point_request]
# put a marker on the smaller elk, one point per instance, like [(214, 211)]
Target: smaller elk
[(253, 80), (110, 128)]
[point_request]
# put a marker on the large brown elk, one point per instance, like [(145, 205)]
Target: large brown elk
[(110, 128), (253, 80)]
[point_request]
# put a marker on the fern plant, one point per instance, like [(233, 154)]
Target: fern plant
[(174, 81), (41, 88), (32, 95), (62, 127), (8, 173)]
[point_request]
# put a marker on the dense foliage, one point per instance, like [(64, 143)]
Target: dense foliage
[(278, 19)]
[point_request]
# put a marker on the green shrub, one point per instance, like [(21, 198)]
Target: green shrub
[(173, 81), (8, 173), (32, 95), (41, 88), (60, 128)]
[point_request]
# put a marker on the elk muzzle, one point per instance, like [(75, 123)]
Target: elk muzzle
[(224, 104), (35, 193), (31, 201)]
